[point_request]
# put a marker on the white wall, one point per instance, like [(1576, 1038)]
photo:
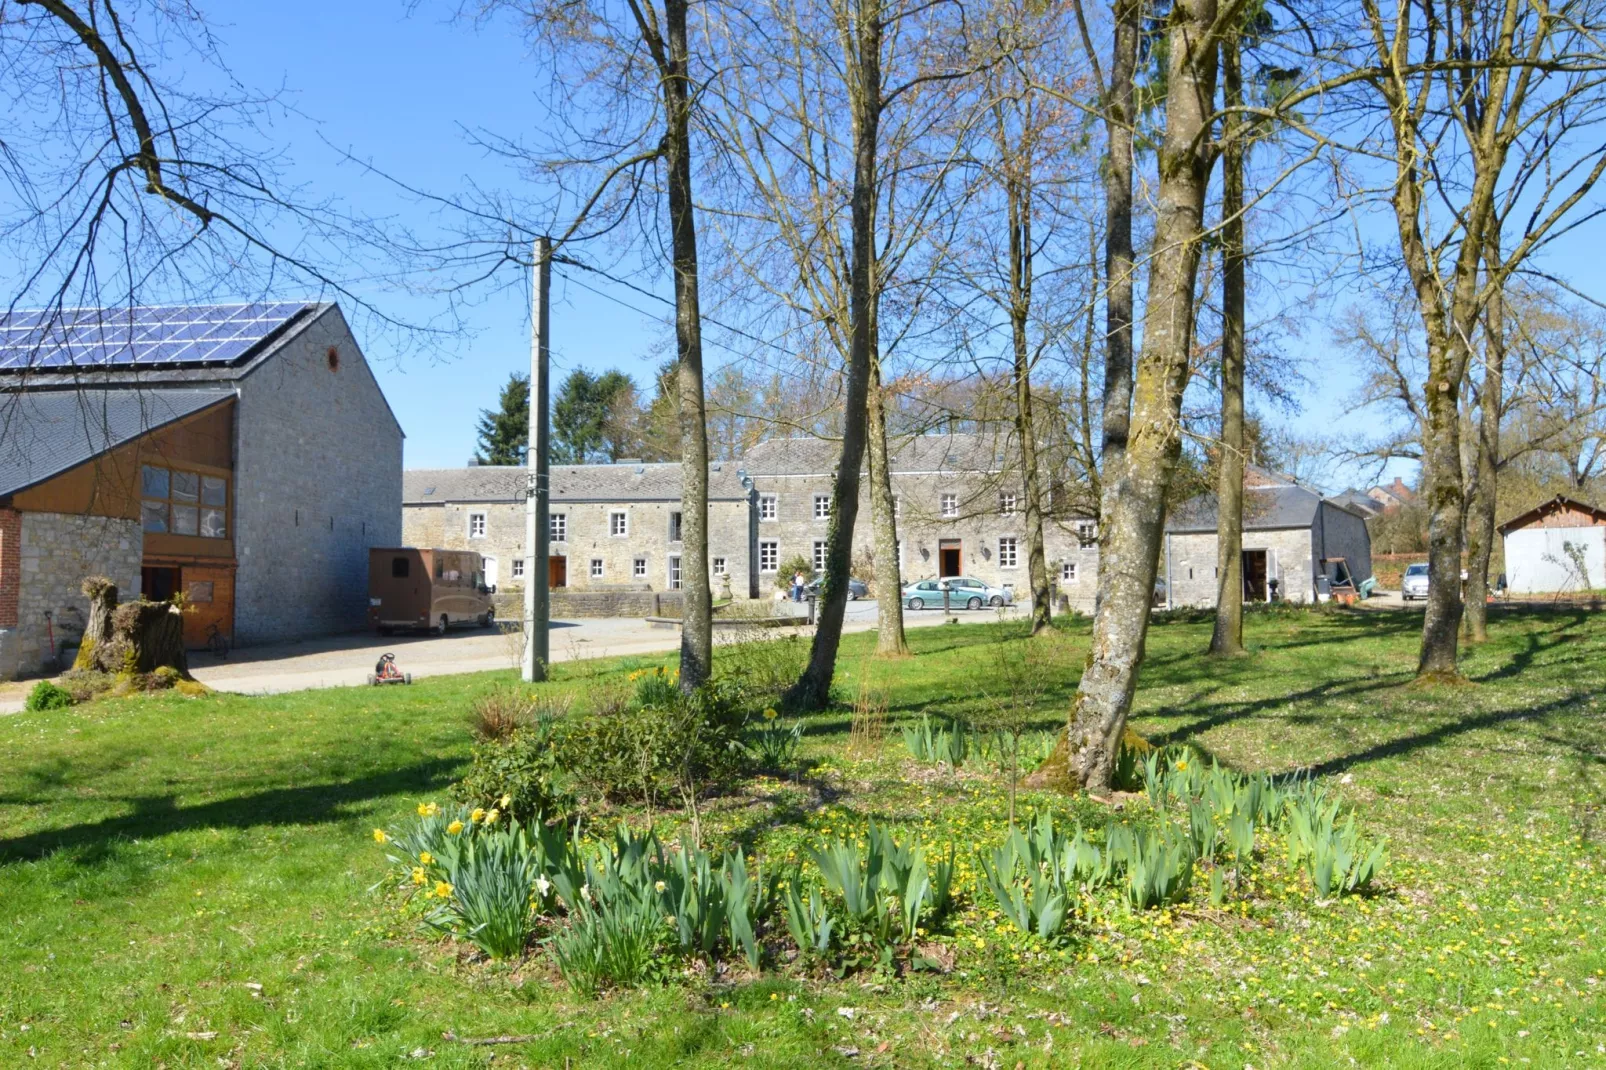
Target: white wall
[(1537, 560)]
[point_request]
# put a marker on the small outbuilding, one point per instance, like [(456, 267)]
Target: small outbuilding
[(1557, 547)]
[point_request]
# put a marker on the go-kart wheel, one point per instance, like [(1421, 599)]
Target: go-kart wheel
[(407, 678), (372, 680)]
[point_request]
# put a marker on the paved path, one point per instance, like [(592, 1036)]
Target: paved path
[(346, 660)]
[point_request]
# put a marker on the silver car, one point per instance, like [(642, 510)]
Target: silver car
[(1415, 583), (964, 592)]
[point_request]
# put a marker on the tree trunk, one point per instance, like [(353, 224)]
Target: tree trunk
[(102, 594), (890, 639), (813, 689), (1228, 637), (151, 636), (1018, 194), (697, 626), (1133, 507), (1485, 483), (1119, 262)]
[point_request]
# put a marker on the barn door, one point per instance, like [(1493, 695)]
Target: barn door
[(209, 602)]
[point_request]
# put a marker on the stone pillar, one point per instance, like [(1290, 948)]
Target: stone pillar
[(10, 592)]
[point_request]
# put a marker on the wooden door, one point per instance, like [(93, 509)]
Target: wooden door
[(209, 597), (557, 571), (950, 558)]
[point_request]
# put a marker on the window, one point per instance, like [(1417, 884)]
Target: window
[(822, 507), (900, 556), (183, 503), (897, 506), (596, 568), (638, 570), (950, 505), (819, 555), (1006, 503), (769, 556), (1087, 533), (769, 507), (1068, 572), (476, 525), (1007, 552), (557, 527), (619, 524), (674, 572), (399, 568), (674, 527), (518, 568), (716, 566)]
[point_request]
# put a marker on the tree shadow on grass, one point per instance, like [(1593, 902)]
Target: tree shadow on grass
[(160, 815)]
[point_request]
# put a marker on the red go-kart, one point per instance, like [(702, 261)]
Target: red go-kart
[(385, 672)]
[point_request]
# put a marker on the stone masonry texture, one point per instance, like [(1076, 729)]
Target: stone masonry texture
[(318, 477)]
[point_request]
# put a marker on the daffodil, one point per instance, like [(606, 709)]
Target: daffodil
[(443, 889), (418, 874), (425, 857), (490, 818), (455, 827), (770, 714), (659, 887), (428, 809), (379, 836), (505, 801), (477, 816)]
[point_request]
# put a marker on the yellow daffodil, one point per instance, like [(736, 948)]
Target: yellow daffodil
[(425, 857), (418, 874), (505, 801), (379, 836), (455, 827), (443, 889), (770, 714), (477, 816), (428, 809), (490, 818), (659, 886)]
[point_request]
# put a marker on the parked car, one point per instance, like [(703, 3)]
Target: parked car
[(964, 592), (410, 589), (856, 588), (1415, 584)]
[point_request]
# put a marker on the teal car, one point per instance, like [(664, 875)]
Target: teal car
[(964, 592)]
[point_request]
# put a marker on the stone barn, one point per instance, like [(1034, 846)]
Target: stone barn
[(1292, 536), (240, 455)]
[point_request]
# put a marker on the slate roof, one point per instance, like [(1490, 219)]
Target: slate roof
[(915, 453), (1357, 502), (1266, 508), (570, 483), (45, 432)]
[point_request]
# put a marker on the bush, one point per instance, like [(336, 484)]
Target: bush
[(773, 746), (47, 696), (656, 743), (938, 744), (523, 774), (791, 567), (500, 713), (886, 890), (85, 684)]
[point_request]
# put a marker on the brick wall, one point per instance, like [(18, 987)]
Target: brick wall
[(10, 565), (318, 482)]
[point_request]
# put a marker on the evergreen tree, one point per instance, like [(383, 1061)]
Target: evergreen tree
[(592, 417), (505, 431)]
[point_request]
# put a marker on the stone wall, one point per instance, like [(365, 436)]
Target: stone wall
[(318, 478), (1189, 561), (57, 551), (1343, 534)]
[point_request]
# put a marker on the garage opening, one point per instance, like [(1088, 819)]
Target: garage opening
[(1254, 569), (949, 558)]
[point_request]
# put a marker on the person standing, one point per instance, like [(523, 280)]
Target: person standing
[(797, 586)]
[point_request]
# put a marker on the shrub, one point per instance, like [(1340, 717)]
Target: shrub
[(631, 751), (791, 567), (85, 684), (523, 775), (47, 696)]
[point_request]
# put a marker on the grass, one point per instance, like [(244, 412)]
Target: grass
[(186, 882)]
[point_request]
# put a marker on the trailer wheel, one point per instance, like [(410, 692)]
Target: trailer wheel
[(489, 618)]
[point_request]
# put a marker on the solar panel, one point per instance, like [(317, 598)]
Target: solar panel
[(139, 337)]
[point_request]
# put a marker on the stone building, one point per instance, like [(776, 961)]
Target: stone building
[(242, 455), (959, 505), (960, 512), (1292, 535), (614, 527)]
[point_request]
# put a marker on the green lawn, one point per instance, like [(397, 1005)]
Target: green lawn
[(186, 882)]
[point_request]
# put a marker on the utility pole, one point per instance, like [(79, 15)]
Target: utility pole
[(537, 508)]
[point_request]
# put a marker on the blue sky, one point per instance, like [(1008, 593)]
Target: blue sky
[(398, 87)]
